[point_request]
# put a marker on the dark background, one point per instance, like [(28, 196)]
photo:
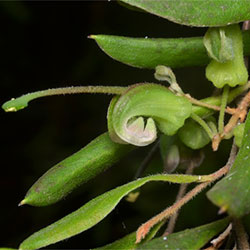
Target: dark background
[(45, 45)]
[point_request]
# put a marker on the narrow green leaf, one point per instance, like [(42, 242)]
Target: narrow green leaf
[(197, 13), (78, 168), (150, 52), (232, 192), (194, 238), (94, 211)]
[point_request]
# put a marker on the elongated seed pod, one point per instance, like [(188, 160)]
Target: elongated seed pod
[(68, 174), (135, 116)]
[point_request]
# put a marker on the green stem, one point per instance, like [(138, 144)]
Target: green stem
[(212, 127), (222, 108), (216, 100), (22, 101), (203, 124)]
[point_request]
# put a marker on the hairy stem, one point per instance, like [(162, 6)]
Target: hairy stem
[(216, 100), (22, 101), (181, 192), (145, 228), (206, 105), (240, 114)]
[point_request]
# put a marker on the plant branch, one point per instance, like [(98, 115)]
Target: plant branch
[(207, 105), (216, 100), (241, 235), (145, 228), (22, 101), (222, 108), (181, 192), (217, 242), (203, 125), (240, 114)]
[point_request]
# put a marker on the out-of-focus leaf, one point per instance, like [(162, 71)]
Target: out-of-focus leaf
[(193, 135), (197, 13), (194, 238), (232, 193), (238, 134), (78, 168), (150, 52), (96, 210), (6, 248)]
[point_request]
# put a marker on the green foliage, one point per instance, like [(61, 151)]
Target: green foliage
[(139, 112), (239, 133), (193, 135), (232, 192), (78, 168), (128, 242), (194, 238), (4, 248), (96, 210), (197, 13), (151, 52), (227, 65)]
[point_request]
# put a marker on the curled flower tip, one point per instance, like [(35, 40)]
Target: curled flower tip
[(138, 134), (135, 116)]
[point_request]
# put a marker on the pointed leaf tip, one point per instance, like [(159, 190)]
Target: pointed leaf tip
[(91, 36), (14, 105), (23, 202)]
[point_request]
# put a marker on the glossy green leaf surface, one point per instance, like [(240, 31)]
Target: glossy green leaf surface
[(232, 192), (78, 168), (197, 13), (135, 116), (194, 238), (96, 210), (150, 52)]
